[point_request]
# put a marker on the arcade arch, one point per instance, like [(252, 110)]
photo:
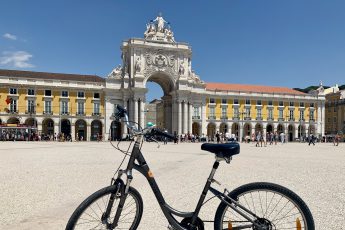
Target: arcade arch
[(65, 127), (96, 129), (211, 130), (223, 128), (81, 130), (291, 131), (280, 128), (31, 122), (48, 126), (247, 129), (235, 129), (196, 128), (13, 120)]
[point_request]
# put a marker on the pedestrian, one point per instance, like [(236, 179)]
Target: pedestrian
[(275, 137), (218, 137), (336, 139), (282, 137), (165, 138), (311, 140)]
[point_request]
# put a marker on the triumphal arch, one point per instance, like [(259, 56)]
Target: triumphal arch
[(155, 58)]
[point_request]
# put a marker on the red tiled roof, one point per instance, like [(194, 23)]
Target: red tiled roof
[(50, 76), (251, 88)]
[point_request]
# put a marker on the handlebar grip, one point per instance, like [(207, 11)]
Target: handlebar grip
[(160, 133), (120, 111)]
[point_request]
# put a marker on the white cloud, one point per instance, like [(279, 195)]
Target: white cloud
[(10, 36), (18, 59)]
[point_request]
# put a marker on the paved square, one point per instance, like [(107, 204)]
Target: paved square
[(43, 182)]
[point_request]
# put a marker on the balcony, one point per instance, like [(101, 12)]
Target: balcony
[(212, 117), (236, 117), (64, 113), (247, 118), (291, 119), (80, 114), (259, 118), (280, 119), (196, 117), (13, 111), (301, 119), (47, 112), (96, 114), (312, 120), (224, 117), (30, 111), (270, 119)]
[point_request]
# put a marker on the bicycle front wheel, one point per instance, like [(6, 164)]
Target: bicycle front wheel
[(276, 207), (90, 213)]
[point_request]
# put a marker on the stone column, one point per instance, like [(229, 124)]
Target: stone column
[(73, 131), (179, 117), (185, 117), (190, 121), (173, 116), (203, 119), (142, 113), (323, 118), (319, 121), (240, 138), (88, 132), (135, 110)]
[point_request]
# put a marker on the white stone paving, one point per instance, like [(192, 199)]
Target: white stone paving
[(42, 183)]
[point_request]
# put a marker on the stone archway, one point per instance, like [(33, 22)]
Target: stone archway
[(291, 132), (247, 129), (31, 122), (280, 129), (311, 130), (223, 128), (116, 131), (48, 126), (196, 128), (259, 128), (96, 130), (211, 131), (301, 131), (235, 129), (80, 130), (65, 127), (13, 120), (164, 110), (269, 128)]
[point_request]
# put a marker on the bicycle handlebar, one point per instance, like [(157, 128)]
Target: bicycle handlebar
[(155, 131)]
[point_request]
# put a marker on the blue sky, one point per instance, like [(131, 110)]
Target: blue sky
[(293, 43)]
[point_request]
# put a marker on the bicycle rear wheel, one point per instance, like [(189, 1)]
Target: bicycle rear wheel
[(276, 207), (90, 213)]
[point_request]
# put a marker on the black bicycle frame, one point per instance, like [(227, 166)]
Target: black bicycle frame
[(142, 167)]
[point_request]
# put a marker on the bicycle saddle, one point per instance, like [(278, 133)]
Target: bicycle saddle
[(222, 150)]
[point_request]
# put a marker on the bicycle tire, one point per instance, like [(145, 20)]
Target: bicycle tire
[(239, 194), (95, 216)]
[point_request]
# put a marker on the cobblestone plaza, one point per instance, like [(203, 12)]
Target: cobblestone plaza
[(43, 182)]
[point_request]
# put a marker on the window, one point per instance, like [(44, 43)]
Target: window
[(81, 94), (247, 102), (13, 91), (259, 114), (47, 92), (301, 104), (247, 112), (96, 107), (212, 114), (31, 106), (329, 119), (291, 116), (270, 103), (335, 119), (270, 114), (258, 102), (312, 105), (64, 93), (31, 92), (281, 114), (235, 101), (301, 115), (281, 103), (196, 113), (13, 106), (311, 115), (64, 107), (96, 95), (224, 113), (224, 101), (212, 101), (291, 104), (80, 108), (48, 107), (236, 113)]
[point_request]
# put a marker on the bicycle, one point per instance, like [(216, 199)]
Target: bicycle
[(259, 206)]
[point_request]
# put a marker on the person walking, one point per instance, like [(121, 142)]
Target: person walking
[(218, 137), (336, 139), (311, 140), (165, 138)]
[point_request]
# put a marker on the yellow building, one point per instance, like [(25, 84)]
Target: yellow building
[(335, 113), (53, 103)]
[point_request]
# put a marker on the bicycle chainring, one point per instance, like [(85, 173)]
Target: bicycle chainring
[(199, 224)]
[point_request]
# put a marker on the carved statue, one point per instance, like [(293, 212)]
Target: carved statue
[(181, 69), (138, 65), (116, 73), (160, 23)]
